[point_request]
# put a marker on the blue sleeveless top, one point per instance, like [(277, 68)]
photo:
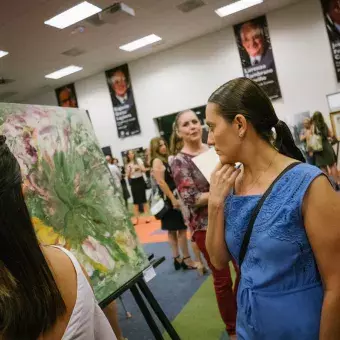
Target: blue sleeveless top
[(280, 295)]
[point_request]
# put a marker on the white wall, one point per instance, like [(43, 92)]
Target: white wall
[(186, 75)]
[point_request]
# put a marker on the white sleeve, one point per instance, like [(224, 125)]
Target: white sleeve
[(140, 162)]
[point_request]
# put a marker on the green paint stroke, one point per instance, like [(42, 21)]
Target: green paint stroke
[(70, 193)]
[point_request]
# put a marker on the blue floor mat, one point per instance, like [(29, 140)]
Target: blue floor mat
[(172, 289)]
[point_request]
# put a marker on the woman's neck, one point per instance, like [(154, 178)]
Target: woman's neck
[(193, 148), (257, 157)]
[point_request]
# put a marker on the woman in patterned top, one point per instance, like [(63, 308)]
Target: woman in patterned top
[(194, 190), (290, 282)]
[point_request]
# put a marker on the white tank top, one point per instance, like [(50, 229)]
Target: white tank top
[(87, 322)]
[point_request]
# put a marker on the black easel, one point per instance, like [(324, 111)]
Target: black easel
[(138, 286)]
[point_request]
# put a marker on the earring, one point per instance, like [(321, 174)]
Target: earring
[(241, 135)]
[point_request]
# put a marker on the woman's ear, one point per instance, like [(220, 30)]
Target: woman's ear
[(241, 125)]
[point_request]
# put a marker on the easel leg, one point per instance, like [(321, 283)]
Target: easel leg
[(147, 315), (128, 314), (158, 310)]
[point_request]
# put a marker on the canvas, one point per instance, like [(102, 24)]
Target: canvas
[(70, 192)]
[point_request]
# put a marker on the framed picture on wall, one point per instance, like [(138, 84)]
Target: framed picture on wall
[(335, 120), (296, 126), (66, 96), (123, 101), (256, 53), (331, 10)]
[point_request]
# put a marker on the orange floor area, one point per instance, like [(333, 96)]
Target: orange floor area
[(151, 232)]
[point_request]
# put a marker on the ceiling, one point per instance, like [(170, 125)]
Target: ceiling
[(35, 49)]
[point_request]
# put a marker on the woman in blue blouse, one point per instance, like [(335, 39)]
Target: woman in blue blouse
[(290, 276)]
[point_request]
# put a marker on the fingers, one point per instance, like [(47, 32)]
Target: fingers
[(233, 177), (223, 169)]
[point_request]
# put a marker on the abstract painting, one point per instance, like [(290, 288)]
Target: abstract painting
[(70, 193)]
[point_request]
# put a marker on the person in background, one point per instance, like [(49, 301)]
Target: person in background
[(134, 171), (115, 172), (290, 278), (173, 220), (126, 194), (194, 190), (304, 137), (176, 145), (326, 158), (45, 293)]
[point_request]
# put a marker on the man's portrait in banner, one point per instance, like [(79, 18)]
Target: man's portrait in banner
[(123, 101), (256, 55), (66, 96), (331, 10)]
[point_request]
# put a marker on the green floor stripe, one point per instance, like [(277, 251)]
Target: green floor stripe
[(200, 318)]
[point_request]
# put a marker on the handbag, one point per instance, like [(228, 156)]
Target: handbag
[(158, 204), (314, 142), (255, 213)]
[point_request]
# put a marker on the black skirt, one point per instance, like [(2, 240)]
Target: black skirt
[(138, 190), (173, 220)]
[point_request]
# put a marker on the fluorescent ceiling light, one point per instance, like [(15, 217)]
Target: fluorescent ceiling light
[(73, 15), (63, 72), (134, 45), (3, 53), (236, 7)]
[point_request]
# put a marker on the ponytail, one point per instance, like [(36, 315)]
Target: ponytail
[(176, 143), (285, 144)]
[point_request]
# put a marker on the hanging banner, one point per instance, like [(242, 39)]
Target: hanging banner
[(331, 11), (256, 55), (67, 96), (118, 80)]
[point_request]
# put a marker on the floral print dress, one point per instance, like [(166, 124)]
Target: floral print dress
[(190, 184)]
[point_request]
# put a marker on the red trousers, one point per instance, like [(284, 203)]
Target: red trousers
[(223, 284)]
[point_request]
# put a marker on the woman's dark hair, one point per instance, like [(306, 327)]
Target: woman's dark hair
[(30, 301), (320, 124), (244, 96)]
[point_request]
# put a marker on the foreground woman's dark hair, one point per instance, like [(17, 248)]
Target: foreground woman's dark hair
[(30, 301), (244, 96)]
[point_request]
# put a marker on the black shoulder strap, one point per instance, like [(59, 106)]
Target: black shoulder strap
[(256, 211)]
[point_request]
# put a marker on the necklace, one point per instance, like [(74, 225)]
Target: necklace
[(261, 174)]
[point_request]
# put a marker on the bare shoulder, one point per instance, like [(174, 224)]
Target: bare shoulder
[(66, 279), (64, 274), (321, 197)]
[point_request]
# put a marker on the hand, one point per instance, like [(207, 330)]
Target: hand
[(175, 203), (221, 182)]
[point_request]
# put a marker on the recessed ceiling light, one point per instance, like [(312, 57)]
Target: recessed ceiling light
[(134, 45), (3, 53), (63, 72), (236, 7), (73, 15)]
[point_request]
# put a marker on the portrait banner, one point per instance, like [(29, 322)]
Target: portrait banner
[(255, 49), (66, 96), (331, 11), (71, 194), (124, 107)]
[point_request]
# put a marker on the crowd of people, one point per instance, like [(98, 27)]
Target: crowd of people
[(320, 154), (274, 219)]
